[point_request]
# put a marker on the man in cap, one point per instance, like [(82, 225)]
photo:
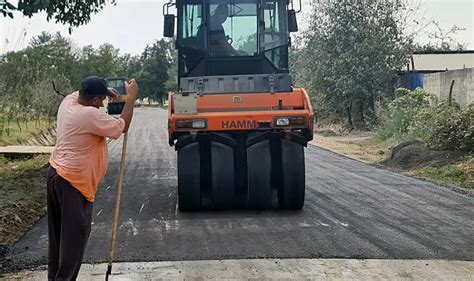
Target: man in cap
[(77, 165)]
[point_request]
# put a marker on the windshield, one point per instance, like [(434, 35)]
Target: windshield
[(275, 33), (233, 28)]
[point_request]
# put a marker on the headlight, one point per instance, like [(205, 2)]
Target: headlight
[(283, 121), (199, 124), (289, 121), (191, 124)]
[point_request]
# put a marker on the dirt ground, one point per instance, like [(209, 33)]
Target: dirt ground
[(346, 145), (408, 157), (22, 199), (414, 154)]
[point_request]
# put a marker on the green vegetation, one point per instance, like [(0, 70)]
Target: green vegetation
[(419, 115), (27, 98), (455, 174), (10, 169), (12, 134), (73, 13), (348, 56)]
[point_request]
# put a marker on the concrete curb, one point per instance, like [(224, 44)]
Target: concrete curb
[(274, 269)]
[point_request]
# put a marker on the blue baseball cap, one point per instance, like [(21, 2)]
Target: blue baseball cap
[(94, 86)]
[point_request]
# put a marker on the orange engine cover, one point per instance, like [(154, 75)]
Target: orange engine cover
[(242, 112)]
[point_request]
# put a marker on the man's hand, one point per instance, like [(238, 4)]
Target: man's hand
[(116, 96), (131, 88)]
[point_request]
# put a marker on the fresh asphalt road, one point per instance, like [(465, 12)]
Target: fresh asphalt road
[(352, 210)]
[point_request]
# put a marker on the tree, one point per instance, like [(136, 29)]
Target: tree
[(442, 40), (27, 74), (73, 13), (351, 52), (156, 61), (105, 62)]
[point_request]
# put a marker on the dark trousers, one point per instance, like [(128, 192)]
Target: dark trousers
[(69, 226)]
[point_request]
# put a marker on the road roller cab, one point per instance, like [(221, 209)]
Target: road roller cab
[(238, 124)]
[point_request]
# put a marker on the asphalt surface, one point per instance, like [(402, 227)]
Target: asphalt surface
[(352, 210)]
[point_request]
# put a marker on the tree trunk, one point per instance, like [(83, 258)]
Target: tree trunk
[(349, 116), (18, 124), (8, 127), (360, 121), (372, 114)]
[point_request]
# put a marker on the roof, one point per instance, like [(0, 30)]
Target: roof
[(442, 61)]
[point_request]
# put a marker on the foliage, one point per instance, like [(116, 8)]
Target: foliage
[(418, 115), (400, 115), (73, 13), (156, 66), (26, 91), (350, 54), (451, 174), (13, 168), (453, 128)]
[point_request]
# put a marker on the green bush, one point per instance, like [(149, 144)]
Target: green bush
[(453, 128), (418, 115), (396, 121)]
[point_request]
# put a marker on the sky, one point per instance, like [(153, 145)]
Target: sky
[(132, 24)]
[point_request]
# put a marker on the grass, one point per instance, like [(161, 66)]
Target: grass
[(13, 168), (29, 130), (459, 174), (377, 142)]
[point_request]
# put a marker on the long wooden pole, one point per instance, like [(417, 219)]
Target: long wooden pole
[(117, 207)]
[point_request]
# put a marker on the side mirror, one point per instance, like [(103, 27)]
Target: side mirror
[(292, 21), (169, 26)]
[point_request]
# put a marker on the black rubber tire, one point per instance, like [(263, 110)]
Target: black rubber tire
[(222, 176), (259, 170), (189, 180), (293, 176)]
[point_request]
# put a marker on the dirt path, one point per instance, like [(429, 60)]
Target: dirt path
[(345, 145)]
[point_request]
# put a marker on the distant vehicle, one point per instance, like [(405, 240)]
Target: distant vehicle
[(118, 83), (165, 103)]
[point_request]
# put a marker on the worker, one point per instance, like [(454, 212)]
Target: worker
[(218, 40), (77, 165)]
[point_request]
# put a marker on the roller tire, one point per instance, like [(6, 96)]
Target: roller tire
[(222, 176), (293, 176), (189, 180), (259, 167)]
